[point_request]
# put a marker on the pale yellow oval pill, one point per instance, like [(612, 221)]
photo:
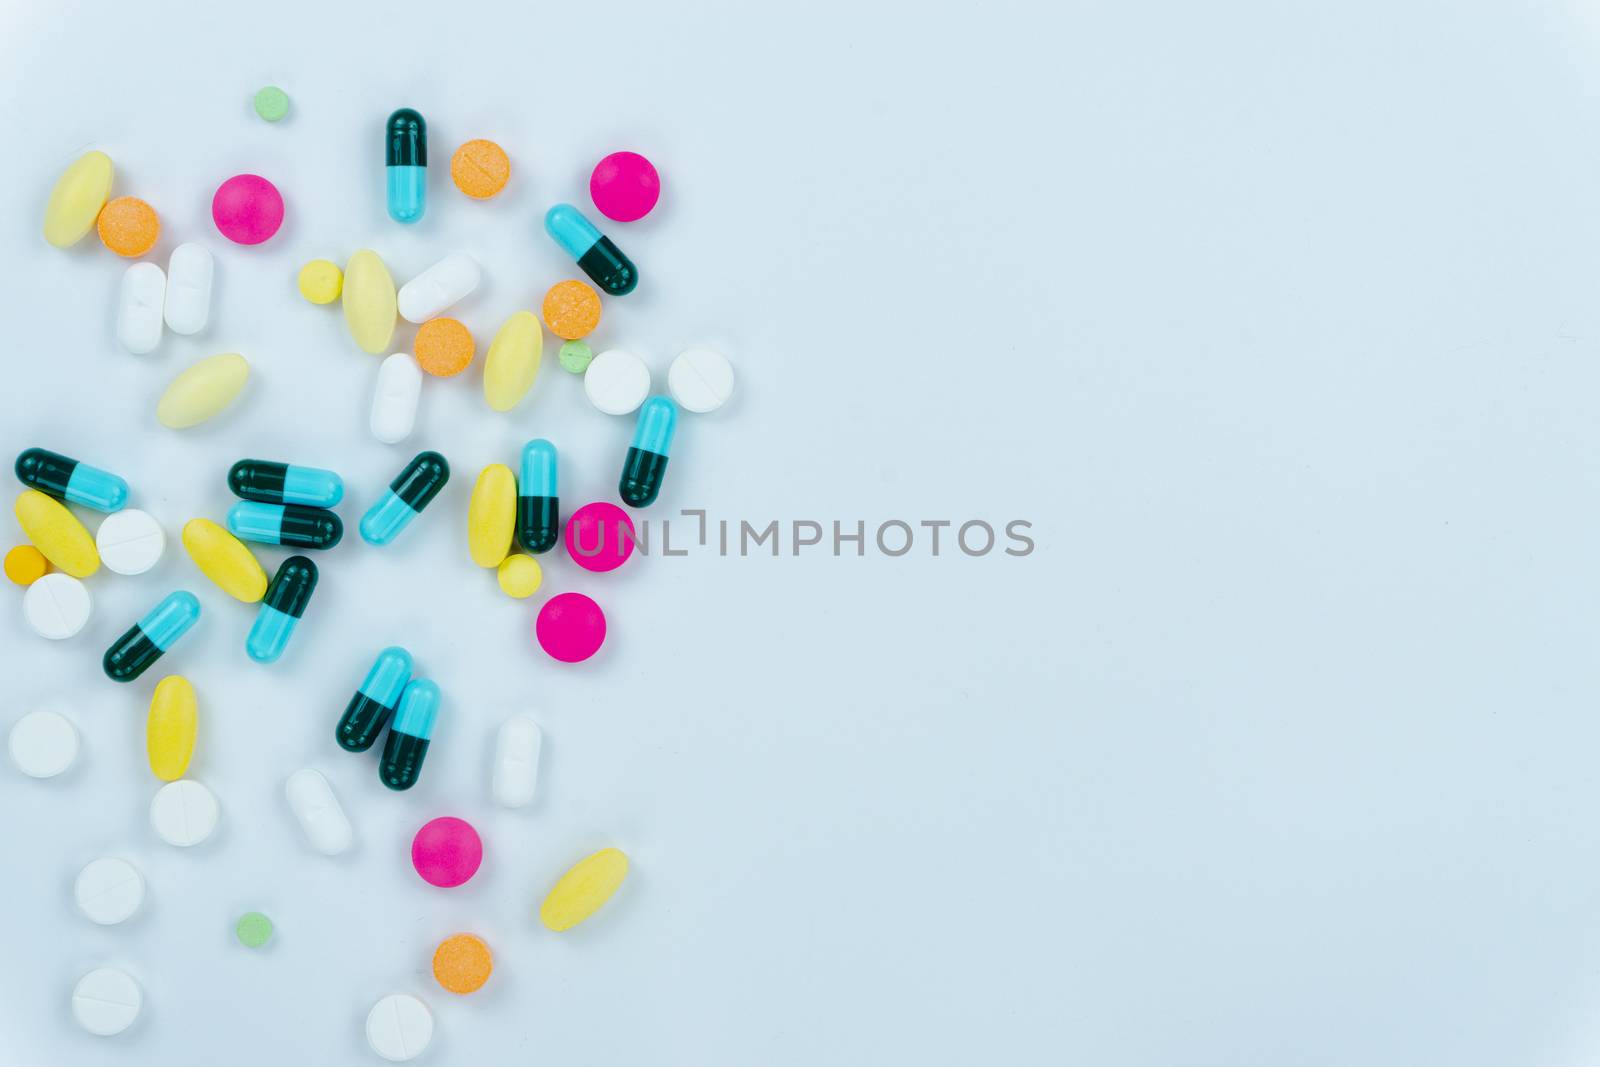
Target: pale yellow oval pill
[(224, 559), (76, 200), (202, 391), (369, 302), (57, 533), (169, 731), (513, 361), (582, 890), (492, 515)]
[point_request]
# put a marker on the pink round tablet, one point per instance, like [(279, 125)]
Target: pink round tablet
[(570, 627), (599, 536), (247, 209), (624, 186), (446, 851)]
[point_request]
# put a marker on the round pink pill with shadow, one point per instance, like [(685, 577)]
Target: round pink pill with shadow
[(247, 209), (599, 537), (624, 186), (446, 852), (570, 627)]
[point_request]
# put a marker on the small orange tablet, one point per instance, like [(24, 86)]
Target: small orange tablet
[(462, 963), (480, 169), (444, 347), (128, 226), (571, 310), (25, 565)]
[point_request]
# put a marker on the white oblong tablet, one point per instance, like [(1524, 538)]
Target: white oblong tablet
[(399, 1027), (108, 891), (57, 606), (130, 541), (183, 813), (144, 290), (43, 744), (617, 381), (436, 289), (394, 400), (700, 379), (316, 807), (106, 1001), (188, 302), (516, 761)]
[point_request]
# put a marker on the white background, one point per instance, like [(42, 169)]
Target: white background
[(1277, 321)]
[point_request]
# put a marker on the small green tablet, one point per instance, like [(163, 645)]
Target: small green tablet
[(272, 103), (254, 929)]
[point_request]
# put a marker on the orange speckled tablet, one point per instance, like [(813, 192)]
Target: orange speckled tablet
[(480, 169), (128, 226), (444, 347), (571, 310), (462, 963), (25, 565)]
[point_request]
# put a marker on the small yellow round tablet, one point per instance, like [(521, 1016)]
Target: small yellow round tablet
[(321, 282), (480, 169), (462, 963), (443, 347), (571, 310), (26, 565), (128, 226), (520, 575)]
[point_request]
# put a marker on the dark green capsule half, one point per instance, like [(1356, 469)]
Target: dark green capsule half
[(407, 142)]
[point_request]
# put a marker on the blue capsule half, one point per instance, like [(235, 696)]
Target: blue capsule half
[(134, 651), (406, 159), (408, 737), (364, 717), (66, 479), (287, 596), (600, 259)]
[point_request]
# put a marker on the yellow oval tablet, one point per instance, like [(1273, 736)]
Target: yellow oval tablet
[(202, 391), (513, 361), (492, 515), (78, 196), (224, 559), (169, 731), (57, 533), (582, 890), (369, 302)]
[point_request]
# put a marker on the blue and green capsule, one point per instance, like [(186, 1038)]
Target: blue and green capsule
[(408, 494), (364, 717), (538, 506), (66, 479), (284, 524), (646, 464), (601, 260), (134, 651), (408, 737), (287, 596), (285, 483), (406, 154)]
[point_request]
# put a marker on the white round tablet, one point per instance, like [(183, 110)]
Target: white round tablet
[(130, 541), (617, 381), (43, 744), (700, 379), (108, 891), (183, 812), (57, 606), (399, 1027), (106, 1001)]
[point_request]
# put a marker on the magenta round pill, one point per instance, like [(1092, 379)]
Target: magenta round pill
[(446, 851), (599, 536), (624, 186), (247, 209), (570, 627)]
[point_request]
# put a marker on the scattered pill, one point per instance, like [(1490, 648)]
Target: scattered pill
[(369, 301), (106, 1001), (600, 537), (224, 559), (519, 576), (440, 287), (144, 287), (43, 743), (538, 503), (57, 533), (492, 515), (76, 199), (570, 627), (395, 398), (576, 357), (184, 813), (408, 494), (407, 743), (26, 564), (130, 541), (188, 302), (571, 310), (700, 379), (66, 479), (446, 852), (318, 811), (247, 209), (271, 103), (128, 226), (461, 964), (281, 608), (399, 1027), (646, 464), (512, 364), (149, 639), (583, 889), (57, 606), (285, 483), (253, 929), (203, 391), (320, 281), (624, 186), (293, 525), (600, 259), (108, 891), (364, 717), (616, 382), (170, 728), (516, 761), (480, 169), (443, 347), (406, 159)]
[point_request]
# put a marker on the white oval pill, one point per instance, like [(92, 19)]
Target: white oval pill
[(394, 400), (432, 292), (108, 891), (399, 1027), (183, 813), (700, 379), (106, 1001), (130, 541), (144, 289), (57, 606), (516, 761), (314, 804), (43, 744), (617, 381), (188, 303)]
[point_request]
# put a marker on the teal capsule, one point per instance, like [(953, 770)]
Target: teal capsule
[(538, 504), (287, 596), (601, 260), (409, 736), (285, 524), (646, 464), (408, 494), (134, 651), (368, 711), (66, 479), (285, 483), (406, 156)]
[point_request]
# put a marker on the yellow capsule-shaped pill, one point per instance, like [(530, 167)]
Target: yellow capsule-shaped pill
[(492, 515), (513, 361), (76, 200), (202, 391), (169, 731), (57, 533), (224, 559), (583, 889), (369, 302)]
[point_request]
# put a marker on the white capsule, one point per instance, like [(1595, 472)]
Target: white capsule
[(516, 761), (144, 290), (316, 807), (394, 400), (188, 303), (436, 289)]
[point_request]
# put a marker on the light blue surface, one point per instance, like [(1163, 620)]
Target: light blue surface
[(388, 677), (94, 488), (171, 619), (269, 634), (256, 521), (384, 520), (408, 192), (568, 227), (538, 469), (419, 707), (312, 486), (658, 418)]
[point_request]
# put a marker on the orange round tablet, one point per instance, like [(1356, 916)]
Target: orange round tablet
[(444, 347), (571, 310), (128, 226), (480, 169), (462, 963), (25, 565)]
